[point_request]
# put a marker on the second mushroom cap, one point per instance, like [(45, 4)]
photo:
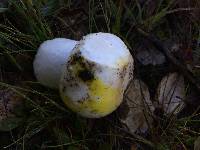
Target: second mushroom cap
[(96, 75)]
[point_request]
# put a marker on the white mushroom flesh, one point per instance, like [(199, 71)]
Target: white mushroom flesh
[(50, 59)]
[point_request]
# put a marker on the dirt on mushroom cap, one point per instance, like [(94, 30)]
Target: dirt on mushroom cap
[(89, 85)]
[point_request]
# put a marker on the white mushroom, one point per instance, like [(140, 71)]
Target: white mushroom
[(95, 75), (49, 60)]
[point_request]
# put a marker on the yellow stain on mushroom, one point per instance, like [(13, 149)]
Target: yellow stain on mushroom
[(103, 99)]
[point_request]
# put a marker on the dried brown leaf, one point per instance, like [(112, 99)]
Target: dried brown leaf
[(197, 144), (11, 106), (137, 107), (171, 93)]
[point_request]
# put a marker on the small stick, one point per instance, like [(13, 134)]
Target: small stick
[(160, 46)]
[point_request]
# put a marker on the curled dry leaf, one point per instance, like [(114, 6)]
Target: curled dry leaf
[(171, 93), (11, 106), (197, 144), (137, 108)]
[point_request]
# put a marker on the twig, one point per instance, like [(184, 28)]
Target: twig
[(181, 9), (160, 46)]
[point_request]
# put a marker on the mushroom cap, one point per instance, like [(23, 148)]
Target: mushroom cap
[(49, 60), (96, 75)]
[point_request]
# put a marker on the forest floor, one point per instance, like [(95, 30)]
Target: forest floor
[(162, 35)]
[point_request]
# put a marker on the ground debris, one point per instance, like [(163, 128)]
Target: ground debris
[(138, 107), (171, 93), (11, 105)]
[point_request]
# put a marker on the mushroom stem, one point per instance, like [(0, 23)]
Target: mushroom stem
[(49, 60)]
